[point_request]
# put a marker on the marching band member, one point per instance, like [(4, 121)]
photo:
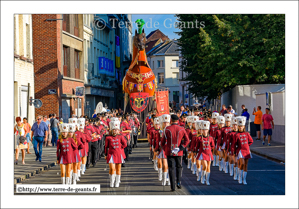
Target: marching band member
[(65, 147), (137, 126), (218, 138), (225, 131), (149, 124), (195, 141), (100, 130), (93, 144), (126, 130), (72, 121), (243, 140), (193, 133), (119, 116), (213, 129), (114, 143), (188, 131), (83, 152), (204, 146), (76, 155), (182, 120), (233, 162), (154, 136), (149, 128)]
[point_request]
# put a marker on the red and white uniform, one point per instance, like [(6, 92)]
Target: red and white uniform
[(192, 138), (231, 140), (81, 137), (158, 145), (221, 141), (76, 154), (114, 146), (188, 131), (65, 150), (124, 126), (204, 147), (175, 137), (154, 135), (243, 141), (89, 129), (88, 139), (182, 123), (100, 131), (213, 129), (149, 126), (136, 122)]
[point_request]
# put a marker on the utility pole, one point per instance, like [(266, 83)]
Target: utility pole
[(28, 97)]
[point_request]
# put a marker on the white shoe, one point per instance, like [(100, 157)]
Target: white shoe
[(214, 161), (231, 169), (244, 177), (217, 160), (68, 180), (164, 178), (117, 180), (63, 180), (240, 176), (203, 173), (160, 174), (74, 178), (112, 179), (235, 173), (168, 180), (199, 174), (194, 168), (78, 176), (189, 163), (208, 178), (79, 173), (155, 165)]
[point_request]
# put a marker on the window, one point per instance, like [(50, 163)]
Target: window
[(77, 65), (161, 77), (175, 63), (76, 27), (160, 63), (65, 23), (176, 96), (175, 77), (65, 61)]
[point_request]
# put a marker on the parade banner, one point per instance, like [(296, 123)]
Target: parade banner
[(139, 101), (162, 102)]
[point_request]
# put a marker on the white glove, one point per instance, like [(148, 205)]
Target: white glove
[(101, 122), (175, 150)]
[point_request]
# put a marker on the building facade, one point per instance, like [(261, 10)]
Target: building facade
[(23, 67), (58, 70)]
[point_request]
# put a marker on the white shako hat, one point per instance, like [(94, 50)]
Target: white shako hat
[(73, 120), (220, 119), (241, 121), (157, 121), (228, 117), (234, 120), (114, 125), (215, 115), (195, 119), (64, 127), (165, 118), (189, 119), (114, 119), (72, 128), (198, 124), (205, 125), (81, 122)]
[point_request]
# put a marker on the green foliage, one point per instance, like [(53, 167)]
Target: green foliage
[(232, 50), (140, 23)]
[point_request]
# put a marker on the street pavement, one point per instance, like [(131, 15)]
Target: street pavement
[(265, 177)]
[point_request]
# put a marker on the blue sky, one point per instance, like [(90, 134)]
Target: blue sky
[(163, 22)]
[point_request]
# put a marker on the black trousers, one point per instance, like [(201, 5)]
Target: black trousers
[(185, 156), (135, 137), (94, 152), (174, 161)]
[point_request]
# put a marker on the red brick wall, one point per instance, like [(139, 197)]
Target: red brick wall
[(69, 87), (44, 38), (158, 34)]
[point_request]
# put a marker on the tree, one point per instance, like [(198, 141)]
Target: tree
[(232, 50)]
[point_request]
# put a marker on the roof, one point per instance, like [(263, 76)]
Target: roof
[(151, 44), (156, 34), (151, 33), (166, 49)]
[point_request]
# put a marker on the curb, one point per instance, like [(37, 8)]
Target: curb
[(32, 173), (268, 157)]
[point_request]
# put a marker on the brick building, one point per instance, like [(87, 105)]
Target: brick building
[(58, 69)]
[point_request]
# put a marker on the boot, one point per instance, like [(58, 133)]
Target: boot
[(217, 160), (112, 179), (83, 169), (164, 178), (71, 175), (194, 168), (203, 173), (160, 174), (231, 170), (117, 180), (235, 173), (79, 173), (214, 161), (74, 178), (226, 167), (155, 165), (199, 174), (220, 165), (63, 180), (68, 180), (78, 176), (189, 163), (167, 179), (244, 177), (240, 176), (208, 178)]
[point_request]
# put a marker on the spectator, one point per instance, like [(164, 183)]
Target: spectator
[(223, 110), (54, 123), (186, 103), (27, 128), (183, 110), (19, 132), (257, 121), (173, 104), (39, 134), (94, 115), (243, 108), (46, 143), (267, 119), (231, 110), (247, 115), (181, 103)]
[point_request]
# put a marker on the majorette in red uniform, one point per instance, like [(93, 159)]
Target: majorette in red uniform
[(225, 132), (150, 126), (230, 148), (195, 141), (119, 118), (64, 153), (242, 142), (162, 159), (213, 129), (83, 137), (189, 133), (154, 136), (192, 143), (125, 131), (221, 123), (114, 144), (76, 155), (205, 145)]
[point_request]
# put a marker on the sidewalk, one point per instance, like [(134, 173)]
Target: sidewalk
[(274, 152), (31, 166)]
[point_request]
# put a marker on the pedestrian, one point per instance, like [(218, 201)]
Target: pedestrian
[(174, 140), (195, 141), (20, 133), (235, 161), (113, 145), (45, 120), (154, 136), (247, 115), (223, 110), (93, 144), (193, 144), (126, 130), (258, 121), (54, 124), (243, 141), (39, 134), (224, 132), (267, 120), (65, 147), (136, 129), (213, 129), (27, 128), (181, 103), (243, 108), (187, 155), (83, 152), (183, 110), (231, 110), (186, 104), (204, 147), (221, 122), (94, 115)]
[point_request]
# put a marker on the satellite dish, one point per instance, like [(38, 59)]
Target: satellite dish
[(37, 103)]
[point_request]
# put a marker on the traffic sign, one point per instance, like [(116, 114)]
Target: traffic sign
[(37, 103), (52, 91)]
